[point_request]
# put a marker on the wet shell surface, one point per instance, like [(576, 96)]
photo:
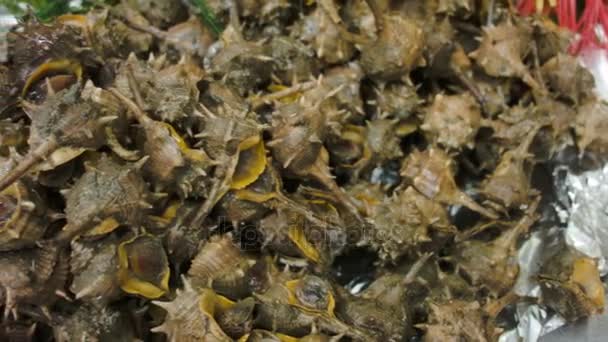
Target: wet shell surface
[(363, 170)]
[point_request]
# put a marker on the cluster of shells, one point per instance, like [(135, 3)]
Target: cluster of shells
[(161, 182)]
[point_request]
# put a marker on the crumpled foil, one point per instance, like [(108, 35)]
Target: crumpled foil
[(586, 231), (533, 320), (584, 222), (7, 21), (582, 208)]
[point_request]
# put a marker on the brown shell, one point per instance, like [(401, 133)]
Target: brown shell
[(36, 43), (168, 93), (12, 134), (493, 92), (458, 320), (561, 117), (106, 191), (340, 93), (74, 122), (452, 121), (237, 210), (62, 128), (550, 38), (396, 52), (190, 38), (312, 293), (396, 100), (460, 8), (94, 265), (222, 132), (325, 37), (237, 320), (509, 183), (22, 216), (491, 264), (571, 285), (564, 75), (298, 144), (190, 317), (243, 65), (159, 12), (291, 232), (179, 93), (372, 316), (381, 321), (383, 139), (590, 126), (297, 140), (143, 266), (209, 267), (111, 36), (282, 318), (109, 324), (502, 50), (430, 173), (515, 123), (293, 61), (291, 307), (20, 284), (182, 239), (401, 224), (384, 307), (171, 161)]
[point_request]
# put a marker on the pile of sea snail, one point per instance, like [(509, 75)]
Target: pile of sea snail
[(159, 182)]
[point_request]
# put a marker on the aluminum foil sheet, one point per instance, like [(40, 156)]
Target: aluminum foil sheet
[(533, 320), (582, 208), (6, 22), (584, 228)]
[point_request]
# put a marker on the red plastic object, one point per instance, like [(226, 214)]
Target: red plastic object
[(594, 14)]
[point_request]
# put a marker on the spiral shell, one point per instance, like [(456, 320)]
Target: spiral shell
[(12, 135), (430, 172), (143, 267), (490, 264), (380, 320), (501, 52), (571, 284), (104, 197), (237, 320), (109, 324), (453, 121), (293, 306), (33, 276), (402, 224), (22, 216), (209, 267), (94, 265), (259, 335), (458, 320), (397, 50), (190, 316), (509, 184), (242, 64)]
